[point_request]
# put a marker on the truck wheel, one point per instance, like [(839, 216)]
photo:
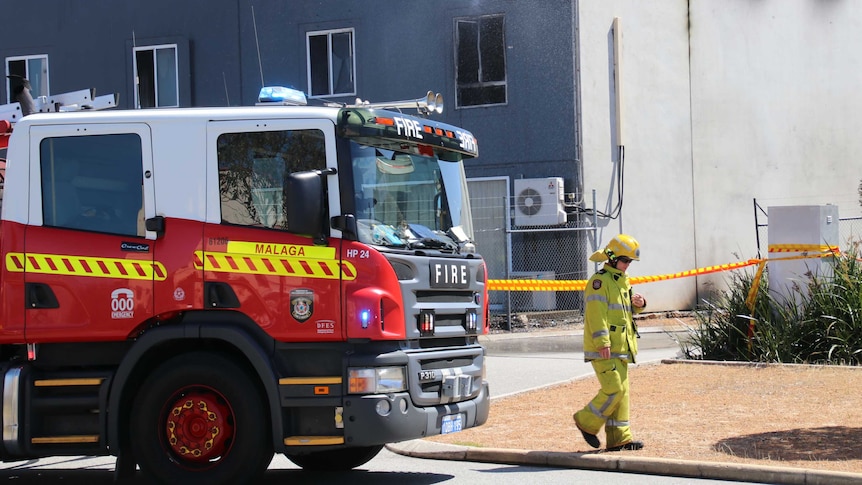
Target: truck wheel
[(337, 460), (199, 418)]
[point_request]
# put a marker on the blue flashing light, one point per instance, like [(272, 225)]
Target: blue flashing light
[(365, 317), (281, 95)]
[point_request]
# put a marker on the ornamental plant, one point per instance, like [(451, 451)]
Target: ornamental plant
[(824, 328)]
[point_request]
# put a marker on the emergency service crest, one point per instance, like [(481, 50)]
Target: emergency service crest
[(301, 304)]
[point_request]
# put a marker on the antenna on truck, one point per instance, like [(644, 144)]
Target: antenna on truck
[(257, 43)]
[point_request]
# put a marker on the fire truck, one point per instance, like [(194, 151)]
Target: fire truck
[(192, 290)]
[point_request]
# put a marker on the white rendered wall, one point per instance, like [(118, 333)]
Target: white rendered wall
[(724, 101), (658, 200), (775, 102)]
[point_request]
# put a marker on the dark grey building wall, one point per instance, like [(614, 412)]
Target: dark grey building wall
[(403, 48)]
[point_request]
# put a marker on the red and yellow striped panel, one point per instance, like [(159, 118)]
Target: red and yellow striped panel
[(96, 267), (275, 266)]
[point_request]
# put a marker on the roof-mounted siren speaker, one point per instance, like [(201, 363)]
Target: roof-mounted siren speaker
[(539, 202)]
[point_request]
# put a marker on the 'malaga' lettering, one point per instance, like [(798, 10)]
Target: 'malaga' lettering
[(258, 248), (279, 250)]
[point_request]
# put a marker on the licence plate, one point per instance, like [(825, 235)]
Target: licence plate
[(452, 423)]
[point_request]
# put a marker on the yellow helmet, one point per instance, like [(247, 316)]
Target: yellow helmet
[(622, 245)]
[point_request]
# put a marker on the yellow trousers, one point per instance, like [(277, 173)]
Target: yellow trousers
[(610, 407)]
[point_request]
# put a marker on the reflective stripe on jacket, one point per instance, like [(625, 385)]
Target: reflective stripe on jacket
[(608, 317)]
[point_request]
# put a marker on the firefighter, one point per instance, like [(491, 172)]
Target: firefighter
[(610, 343)]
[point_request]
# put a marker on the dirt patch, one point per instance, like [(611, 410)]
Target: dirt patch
[(796, 416)]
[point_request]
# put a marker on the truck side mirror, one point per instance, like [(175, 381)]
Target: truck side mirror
[(306, 207)]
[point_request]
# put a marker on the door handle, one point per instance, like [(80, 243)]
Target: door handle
[(39, 295), (220, 295)]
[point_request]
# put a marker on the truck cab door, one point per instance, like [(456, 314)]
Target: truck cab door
[(287, 283), (86, 256)]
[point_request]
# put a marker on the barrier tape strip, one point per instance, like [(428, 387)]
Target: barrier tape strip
[(801, 248), (579, 285)]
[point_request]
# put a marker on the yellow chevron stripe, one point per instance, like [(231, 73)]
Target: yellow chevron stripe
[(90, 266), (275, 266)]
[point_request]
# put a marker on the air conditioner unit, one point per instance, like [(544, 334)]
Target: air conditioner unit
[(539, 202)]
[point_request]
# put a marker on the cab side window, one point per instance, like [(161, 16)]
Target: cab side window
[(253, 169), (93, 183)]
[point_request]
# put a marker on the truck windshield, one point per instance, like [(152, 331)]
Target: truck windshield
[(407, 200)]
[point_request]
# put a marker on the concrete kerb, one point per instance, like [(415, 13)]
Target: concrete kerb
[(622, 463), (629, 464)]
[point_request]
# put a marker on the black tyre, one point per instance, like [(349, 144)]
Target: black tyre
[(335, 460), (200, 419)]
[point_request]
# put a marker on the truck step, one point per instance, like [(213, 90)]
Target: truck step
[(54, 440), (65, 411), (313, 440)]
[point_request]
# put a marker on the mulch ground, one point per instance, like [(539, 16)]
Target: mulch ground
[(775, 415)]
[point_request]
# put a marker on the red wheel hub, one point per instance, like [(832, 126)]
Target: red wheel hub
[(200, 425)]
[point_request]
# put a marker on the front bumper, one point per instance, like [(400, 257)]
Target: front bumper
[(364, 426)]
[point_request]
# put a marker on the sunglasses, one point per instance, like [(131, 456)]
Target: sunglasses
[(623, 259)]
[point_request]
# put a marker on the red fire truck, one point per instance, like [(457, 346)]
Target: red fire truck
[(195, 289)]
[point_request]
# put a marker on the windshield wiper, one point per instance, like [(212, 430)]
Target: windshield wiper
[(425, 238), (428, 243)]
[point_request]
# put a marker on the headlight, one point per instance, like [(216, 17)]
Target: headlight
[(376, 380)]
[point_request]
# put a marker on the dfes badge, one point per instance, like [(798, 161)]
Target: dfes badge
[(301, 304)]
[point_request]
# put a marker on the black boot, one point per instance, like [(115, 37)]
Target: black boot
[(631, 445), (591, 439)]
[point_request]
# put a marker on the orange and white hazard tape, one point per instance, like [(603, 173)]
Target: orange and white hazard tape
[(808, 251), (802, 248)]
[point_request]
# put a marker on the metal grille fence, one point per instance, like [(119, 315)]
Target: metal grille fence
[(557, 252), (851, 234)]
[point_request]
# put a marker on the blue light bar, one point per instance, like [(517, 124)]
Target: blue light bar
[(281, 95)]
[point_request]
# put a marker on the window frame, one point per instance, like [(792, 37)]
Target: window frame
[(44, 81), (480, 84), (154, 49), (38, 134), (217, 128), (257, 203), (331, 88)]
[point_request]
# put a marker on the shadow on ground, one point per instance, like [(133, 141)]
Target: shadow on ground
[(830, 443)]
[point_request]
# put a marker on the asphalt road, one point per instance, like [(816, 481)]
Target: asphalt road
[(386, 469), (522, 362), (515, 364)]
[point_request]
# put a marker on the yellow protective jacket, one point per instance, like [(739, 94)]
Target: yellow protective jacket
[(608, 318)]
